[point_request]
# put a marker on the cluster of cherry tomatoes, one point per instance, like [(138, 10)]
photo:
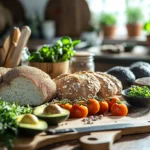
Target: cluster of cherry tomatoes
[(92, 106)]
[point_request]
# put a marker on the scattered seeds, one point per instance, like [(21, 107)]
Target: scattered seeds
[(84, 119)]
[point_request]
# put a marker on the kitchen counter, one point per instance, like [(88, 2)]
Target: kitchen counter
[(104, 61)]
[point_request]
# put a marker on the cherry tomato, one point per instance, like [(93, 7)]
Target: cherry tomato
[(119, 109), (78, 111), (65, 106), (111, 101), (103, 107), (93, 106)]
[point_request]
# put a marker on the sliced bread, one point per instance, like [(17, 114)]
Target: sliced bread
[(118, 83), (27, 85)]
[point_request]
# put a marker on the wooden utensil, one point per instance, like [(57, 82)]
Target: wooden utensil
[(4, 50), (16, 56), (95, 140), (8, 60), (16, 35), (14, 38)]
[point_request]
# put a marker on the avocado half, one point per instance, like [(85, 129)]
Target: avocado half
[(31, 129), (51, 119)]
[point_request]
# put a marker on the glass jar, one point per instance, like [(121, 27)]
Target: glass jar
[(82, 61)]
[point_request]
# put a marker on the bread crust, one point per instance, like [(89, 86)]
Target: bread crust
[(74, 86), (3, 71), (108, 88), (113, 79), (41, 80)]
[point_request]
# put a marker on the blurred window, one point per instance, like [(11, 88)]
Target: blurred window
[(118, 7)]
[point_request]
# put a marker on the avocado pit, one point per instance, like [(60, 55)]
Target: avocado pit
[(29, 119), (30, 125), (51, 113), (52, 109)]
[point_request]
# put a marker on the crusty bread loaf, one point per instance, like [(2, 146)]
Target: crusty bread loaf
[(114, 80), (73, 86), (3, 71), (27, 85), (108, 88)]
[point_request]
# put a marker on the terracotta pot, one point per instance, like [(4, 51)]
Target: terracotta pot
[(53, 69), (109, 31), (134, 29), (148, 40)]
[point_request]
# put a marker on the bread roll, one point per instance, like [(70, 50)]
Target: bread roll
[(27, 85), (73, 86)]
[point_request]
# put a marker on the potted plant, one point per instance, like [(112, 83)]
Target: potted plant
[(108, 24), (147, 29), (134, 16), (54, 59)]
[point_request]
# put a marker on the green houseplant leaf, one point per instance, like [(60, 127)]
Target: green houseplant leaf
[(134, 15), (107, 19), (61, 51)]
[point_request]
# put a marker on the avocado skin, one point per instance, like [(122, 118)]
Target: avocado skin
[(54, 121), (138, 64), (124, 74), (51, 119), (28, 131), (140, 69)]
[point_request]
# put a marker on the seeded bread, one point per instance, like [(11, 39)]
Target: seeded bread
[(108, 88), (118, 83), (73, 86), (27, 85)]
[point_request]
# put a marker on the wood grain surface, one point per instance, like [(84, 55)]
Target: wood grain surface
[(135, 116)]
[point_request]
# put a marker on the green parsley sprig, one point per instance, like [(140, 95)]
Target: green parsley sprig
[(8, 121)]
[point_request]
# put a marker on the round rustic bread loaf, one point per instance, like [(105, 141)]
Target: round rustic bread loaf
[(3, 71), (114, 80), (73, 86), (27, 85)]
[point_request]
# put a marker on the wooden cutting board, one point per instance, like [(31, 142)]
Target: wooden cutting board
[(135, 116)]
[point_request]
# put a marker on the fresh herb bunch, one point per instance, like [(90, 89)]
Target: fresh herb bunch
[(61, 51), (107, 19), (8, 121), (134, 15), (141, 92)]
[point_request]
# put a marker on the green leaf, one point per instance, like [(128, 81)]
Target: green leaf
[(107, 19), (134, 15), (35, 57), (74, 43), (8, 122), (147, 27), (62, 50), (66, 40)]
